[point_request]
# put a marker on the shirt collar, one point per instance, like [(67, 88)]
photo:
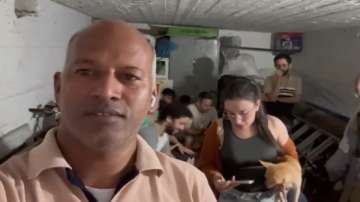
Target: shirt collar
[(146, 157), (48, 155)]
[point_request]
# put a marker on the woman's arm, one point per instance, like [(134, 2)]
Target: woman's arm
[(209, 159), (281, 135)]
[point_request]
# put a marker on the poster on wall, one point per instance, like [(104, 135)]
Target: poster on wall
[(162, 68), (199, 32), (287, 42)]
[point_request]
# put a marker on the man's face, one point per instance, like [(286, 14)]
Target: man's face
[(205, 105), (282, 65), (178, 125), (105, 89), (168, 99)]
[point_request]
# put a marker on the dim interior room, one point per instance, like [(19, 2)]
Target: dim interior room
[(194, 40)]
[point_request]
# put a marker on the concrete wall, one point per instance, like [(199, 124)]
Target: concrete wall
[(191, 82), (263, 59), (328, 65), (31, 50), (193, 65)]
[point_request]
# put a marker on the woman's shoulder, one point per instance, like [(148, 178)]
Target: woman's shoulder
[(275, 124), (272, 119)]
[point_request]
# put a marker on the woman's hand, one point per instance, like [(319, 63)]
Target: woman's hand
[(221, 184)]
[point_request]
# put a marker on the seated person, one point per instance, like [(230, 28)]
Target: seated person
[(344, 165), (238, 141), (282, 89), (174, 118), (168, 96), (203, 112)]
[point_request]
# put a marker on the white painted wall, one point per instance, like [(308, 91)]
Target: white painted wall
[(31, 50), (328, 65)]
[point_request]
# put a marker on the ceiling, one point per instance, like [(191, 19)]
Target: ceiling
[(255, 15)]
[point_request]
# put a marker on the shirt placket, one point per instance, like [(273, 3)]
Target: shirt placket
[(74, 180)]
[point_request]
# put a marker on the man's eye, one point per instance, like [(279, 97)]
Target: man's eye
[(129, 77), (84, 72)]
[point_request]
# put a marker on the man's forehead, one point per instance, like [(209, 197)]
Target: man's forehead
[(107, 33), (281, 60), (116, 47), (206, 100), (107, 28), (112, 41), (183, 119)]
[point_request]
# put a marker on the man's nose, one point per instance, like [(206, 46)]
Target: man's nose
[(181, 127), (108, 87)]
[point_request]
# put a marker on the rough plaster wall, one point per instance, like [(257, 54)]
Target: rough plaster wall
[(31, 50), (328, 65)]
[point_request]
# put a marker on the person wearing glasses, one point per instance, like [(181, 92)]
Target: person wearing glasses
[(234, 144)]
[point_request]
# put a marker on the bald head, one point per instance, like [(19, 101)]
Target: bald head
[(107, 31)]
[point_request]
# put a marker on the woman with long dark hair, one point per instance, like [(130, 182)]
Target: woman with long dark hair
[(234, 145)]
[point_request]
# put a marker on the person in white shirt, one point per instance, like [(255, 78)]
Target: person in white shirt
[(174, 118), (203, 112)]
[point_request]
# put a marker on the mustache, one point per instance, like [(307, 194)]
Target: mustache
[(169, 130), (286, 72), (106, 108)]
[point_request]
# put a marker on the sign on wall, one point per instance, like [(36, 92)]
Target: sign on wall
[(193, 32), (162, 68), (287, 42)]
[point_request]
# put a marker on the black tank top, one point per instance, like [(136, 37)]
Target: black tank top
[(240, 156)]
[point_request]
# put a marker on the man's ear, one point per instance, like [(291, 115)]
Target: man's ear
[(154, 101), (258, 103), (57, 86)]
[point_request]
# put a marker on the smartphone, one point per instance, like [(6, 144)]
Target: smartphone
[(246, 181)]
